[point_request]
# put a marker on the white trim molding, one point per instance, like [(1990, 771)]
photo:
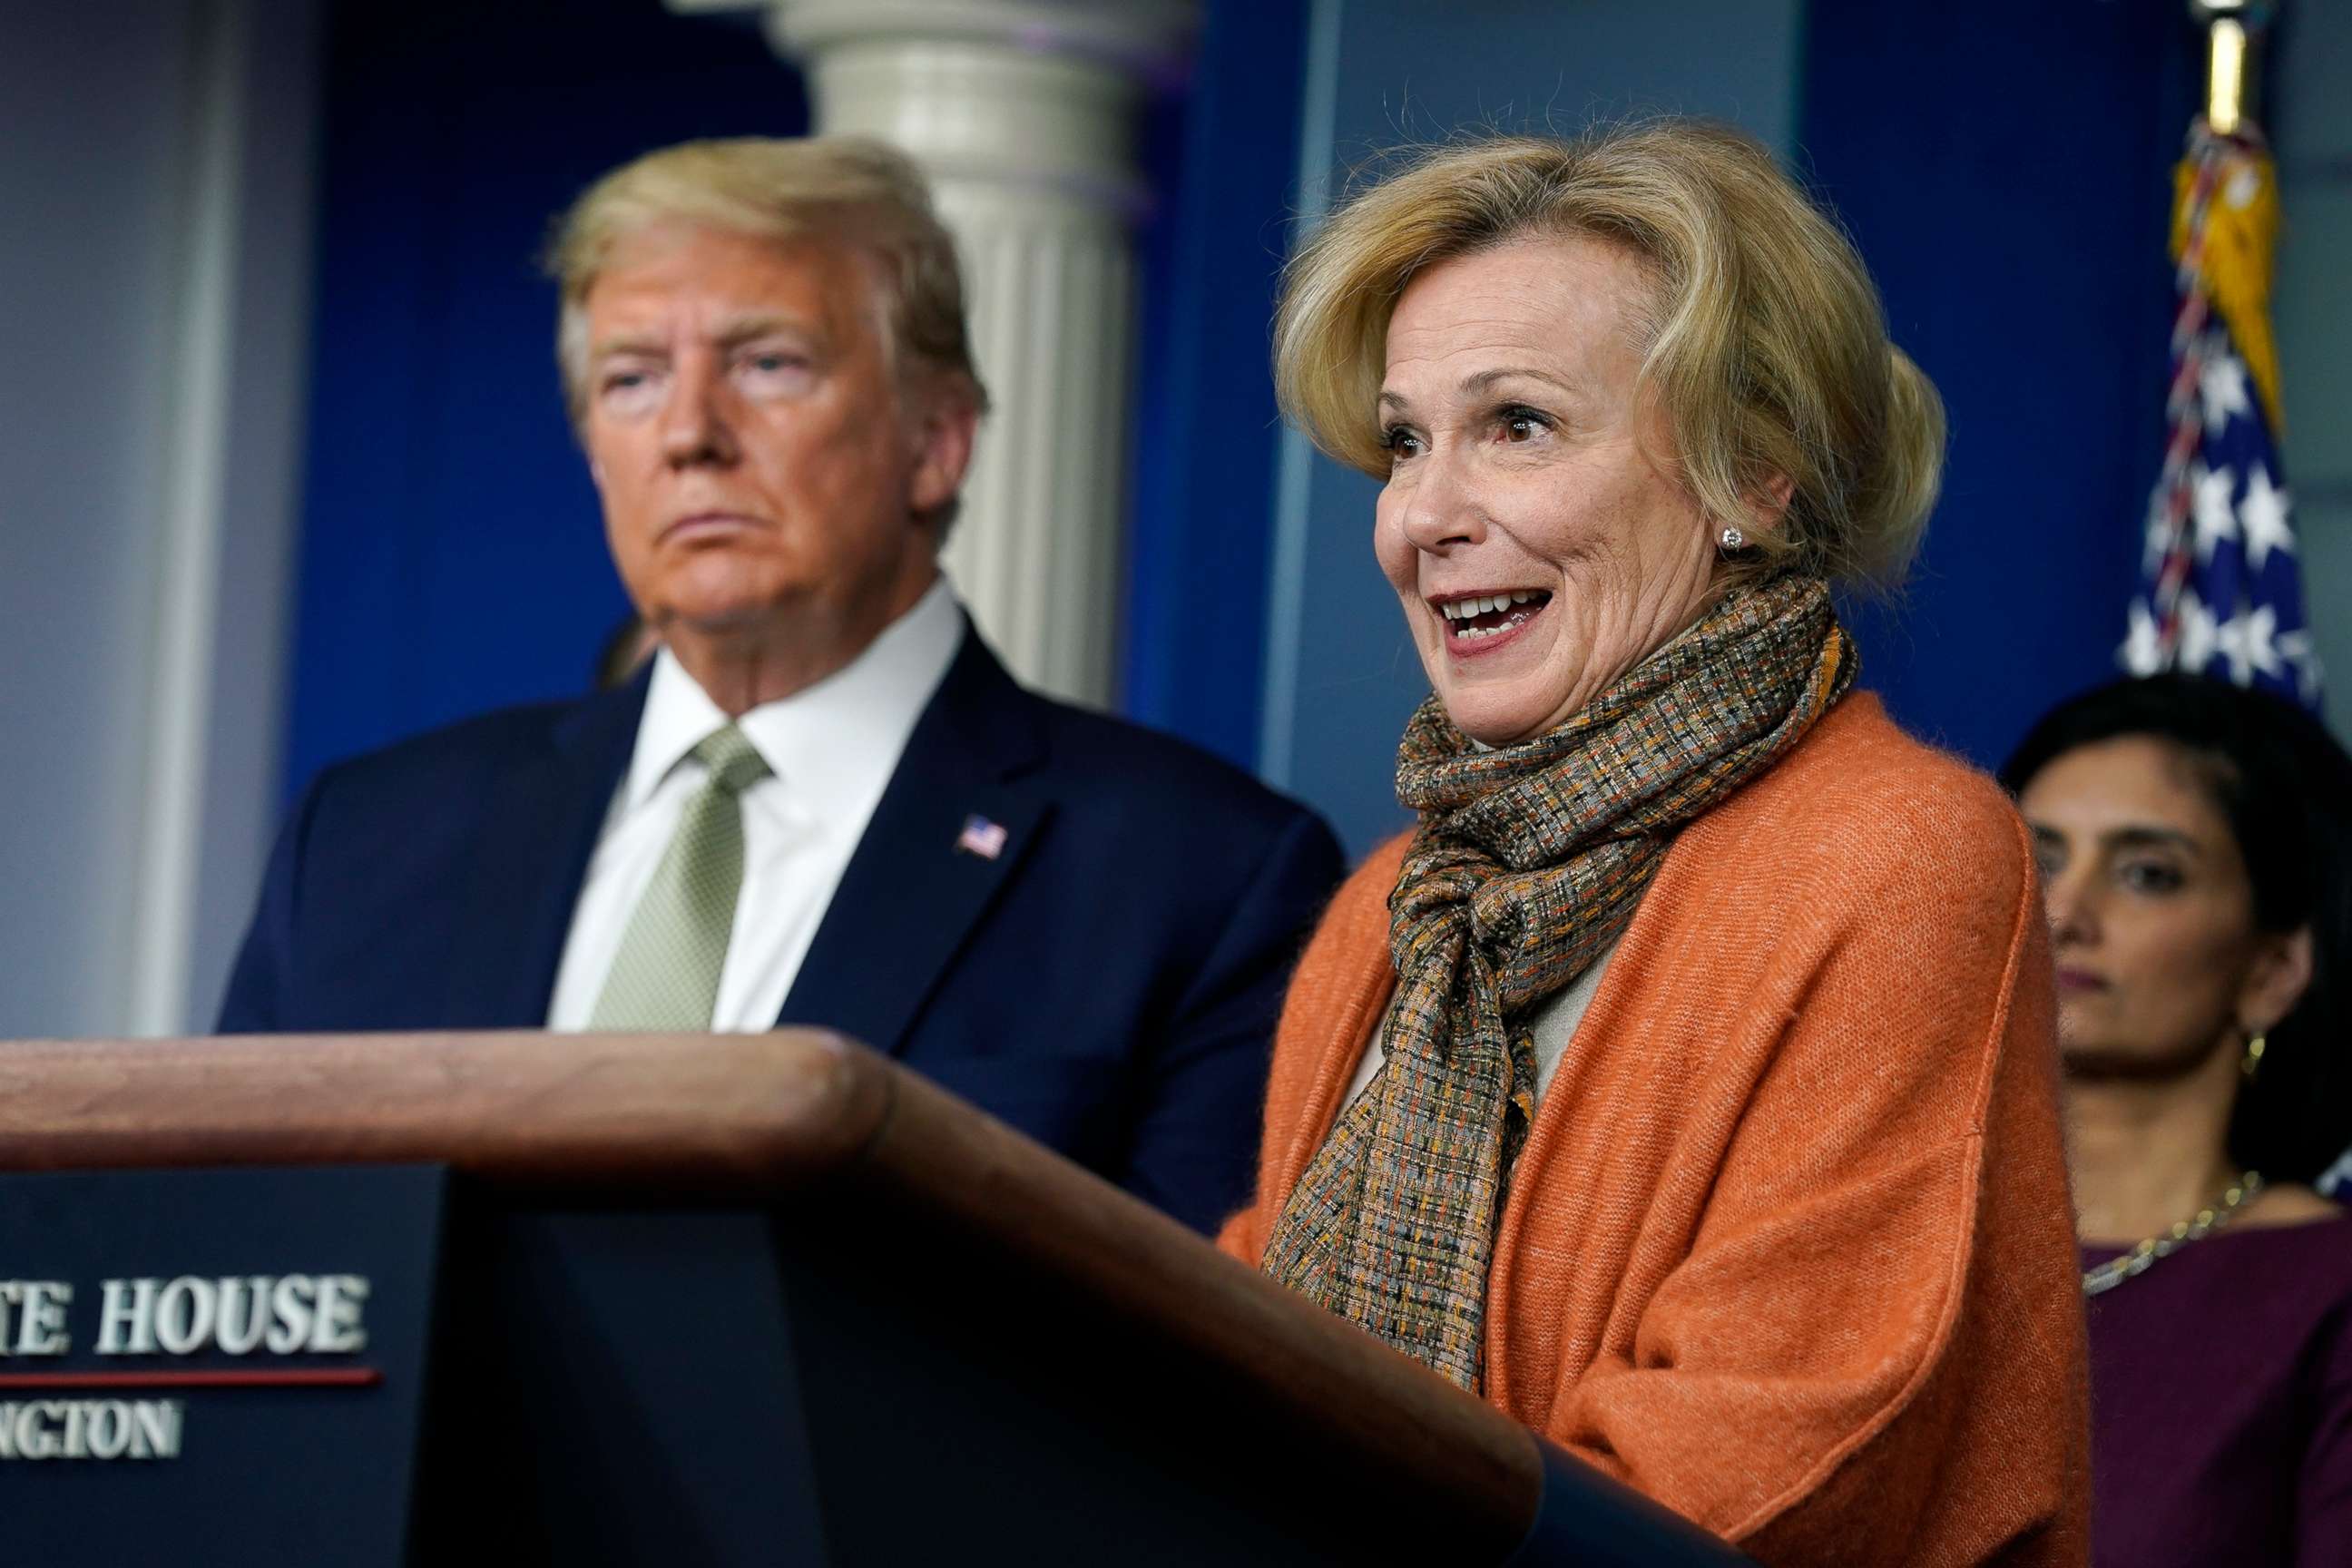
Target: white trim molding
[(225, 514), (192, 519)]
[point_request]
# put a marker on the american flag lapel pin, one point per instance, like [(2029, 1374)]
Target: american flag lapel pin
[(981, 838)]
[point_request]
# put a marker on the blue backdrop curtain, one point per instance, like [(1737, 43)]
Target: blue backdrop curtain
[(452, 556), (2006, 169)]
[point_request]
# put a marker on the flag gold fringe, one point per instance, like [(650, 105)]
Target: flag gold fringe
[(2241, 225)]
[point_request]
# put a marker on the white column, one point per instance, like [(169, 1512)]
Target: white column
[(1023, 114), (225, 518)]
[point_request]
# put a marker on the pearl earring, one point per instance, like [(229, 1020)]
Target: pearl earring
[(1732, 540), (2252, 1063)]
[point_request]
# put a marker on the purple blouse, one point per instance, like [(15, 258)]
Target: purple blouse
[(2221, 1403)]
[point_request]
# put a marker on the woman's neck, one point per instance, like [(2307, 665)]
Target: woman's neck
[(2146, 1155)]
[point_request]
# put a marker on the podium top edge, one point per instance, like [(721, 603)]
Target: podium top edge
[(745, 1111)]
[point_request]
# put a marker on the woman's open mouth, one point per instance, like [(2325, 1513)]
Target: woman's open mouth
[(1482, 623)]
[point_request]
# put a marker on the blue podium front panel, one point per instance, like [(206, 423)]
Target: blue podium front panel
[(214, 1365)]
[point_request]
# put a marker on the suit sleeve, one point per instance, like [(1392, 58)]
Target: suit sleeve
[(255, 1002), (1193, 1153)]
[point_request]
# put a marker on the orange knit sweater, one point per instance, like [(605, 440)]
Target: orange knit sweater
[(1789, 1247)]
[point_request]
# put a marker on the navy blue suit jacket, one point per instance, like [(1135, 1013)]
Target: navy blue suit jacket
[(1108, 983)]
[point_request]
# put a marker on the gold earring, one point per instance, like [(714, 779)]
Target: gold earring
[(2252, 1061)]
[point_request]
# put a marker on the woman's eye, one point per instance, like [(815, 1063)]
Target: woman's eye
[(2150, 877), (1399, 442), (1521, 425)]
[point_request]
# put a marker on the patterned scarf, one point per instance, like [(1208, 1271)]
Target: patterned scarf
[(1527, 866)]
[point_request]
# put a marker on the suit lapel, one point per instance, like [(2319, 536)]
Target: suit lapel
[(541, 815), (911, 896)]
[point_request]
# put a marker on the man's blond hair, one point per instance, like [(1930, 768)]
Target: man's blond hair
[(843, 189)]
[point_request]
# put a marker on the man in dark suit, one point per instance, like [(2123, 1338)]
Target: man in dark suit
[(823, 801)]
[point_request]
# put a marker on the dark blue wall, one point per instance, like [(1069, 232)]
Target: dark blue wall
[(452, 555), (1206, 437), (2006, 169), (2005, 173)]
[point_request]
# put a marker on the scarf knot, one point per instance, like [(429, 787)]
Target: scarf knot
[(1526, 867)]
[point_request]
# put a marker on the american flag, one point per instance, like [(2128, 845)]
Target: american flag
[(2220, 588), (981, 838)]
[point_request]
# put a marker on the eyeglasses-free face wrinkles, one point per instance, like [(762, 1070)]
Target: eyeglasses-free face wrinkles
[(762, 461), (1530, 525)]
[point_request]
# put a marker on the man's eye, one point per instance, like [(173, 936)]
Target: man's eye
[(772, 362), (627, 390), (625, 377)]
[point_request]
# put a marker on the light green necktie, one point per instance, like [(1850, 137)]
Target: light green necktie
[(666, 975)]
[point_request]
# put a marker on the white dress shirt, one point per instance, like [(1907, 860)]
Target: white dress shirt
[(831, 751)]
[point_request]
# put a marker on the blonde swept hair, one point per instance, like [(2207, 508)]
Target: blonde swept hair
[(847, 189), (1765, 347)]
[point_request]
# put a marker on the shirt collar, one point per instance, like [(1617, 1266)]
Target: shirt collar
[(834, 742)]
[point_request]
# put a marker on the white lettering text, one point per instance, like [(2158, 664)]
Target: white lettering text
[(126, 1317), (90, 1429)]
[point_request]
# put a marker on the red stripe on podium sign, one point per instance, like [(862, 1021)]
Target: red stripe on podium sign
[(305, 1377)]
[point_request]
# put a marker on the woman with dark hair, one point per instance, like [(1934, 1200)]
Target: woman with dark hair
[(2195, 851)]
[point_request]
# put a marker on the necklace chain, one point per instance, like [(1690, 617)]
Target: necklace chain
[(2138, 1259)]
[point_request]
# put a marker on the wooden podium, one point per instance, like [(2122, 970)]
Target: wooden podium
[(526, 1297)]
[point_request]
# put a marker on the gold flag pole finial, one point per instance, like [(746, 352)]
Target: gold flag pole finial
[(2231, 28)]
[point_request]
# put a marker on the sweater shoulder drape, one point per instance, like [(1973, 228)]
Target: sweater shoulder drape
[(1790, 1246)]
